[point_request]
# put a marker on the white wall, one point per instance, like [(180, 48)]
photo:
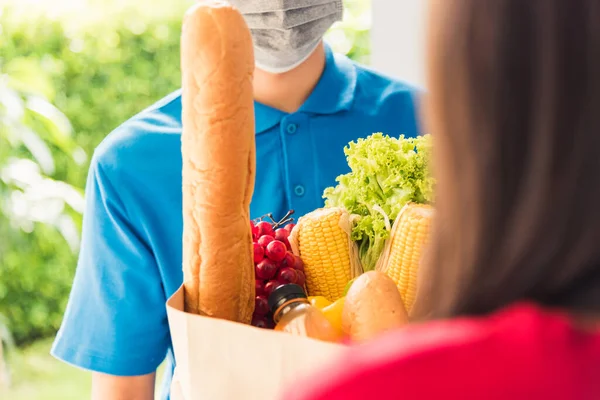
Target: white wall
[(397, 39)]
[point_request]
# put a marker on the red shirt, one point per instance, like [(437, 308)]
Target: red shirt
[(522, 352)]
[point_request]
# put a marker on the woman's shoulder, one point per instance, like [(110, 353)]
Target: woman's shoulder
[(506, 355)]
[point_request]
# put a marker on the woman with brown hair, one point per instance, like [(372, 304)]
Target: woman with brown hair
[(513, 277)]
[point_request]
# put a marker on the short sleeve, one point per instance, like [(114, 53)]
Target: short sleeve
[(115, 321)]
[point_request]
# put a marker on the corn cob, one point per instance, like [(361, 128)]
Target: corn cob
[(402, 254), (322, 240)]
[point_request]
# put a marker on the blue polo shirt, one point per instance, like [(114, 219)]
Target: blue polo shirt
[(130, 260)]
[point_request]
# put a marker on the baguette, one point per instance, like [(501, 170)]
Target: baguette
[(218, 155)]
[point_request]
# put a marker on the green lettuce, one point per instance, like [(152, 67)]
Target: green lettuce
[(386, 173)]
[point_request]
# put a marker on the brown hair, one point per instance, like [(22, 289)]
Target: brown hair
[(514, 109)]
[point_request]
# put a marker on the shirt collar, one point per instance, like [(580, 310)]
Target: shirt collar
[(334, 93), (266, 117)]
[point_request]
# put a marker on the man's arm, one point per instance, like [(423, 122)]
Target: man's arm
[(110, 387), (115, 322)]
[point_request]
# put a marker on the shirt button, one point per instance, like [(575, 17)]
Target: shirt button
[(299, 190), (291, 128)]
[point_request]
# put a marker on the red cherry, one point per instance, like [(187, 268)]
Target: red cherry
[(259, 287), (298, 264), (265, 269), (289, 227), (265, 228), (287, 275), (265, 240), (261, 306), (259, 321), (300, 278), (270, 286), (281, 234), (276, 250), (259, 253), (254, 230), (288, 261)]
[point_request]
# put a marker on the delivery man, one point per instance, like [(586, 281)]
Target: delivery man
[(309, 104)]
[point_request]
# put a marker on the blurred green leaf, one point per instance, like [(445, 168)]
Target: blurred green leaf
[(27, 76), (55, 126), (37, 212), (37, 147)]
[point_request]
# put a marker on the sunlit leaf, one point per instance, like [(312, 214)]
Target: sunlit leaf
[(38, 149), (42, 208), (26, 75), (20, 172), (79, 156), (56, 123), (5, 336), (47, 110), (69, 231), (12, 107), (25, 175)]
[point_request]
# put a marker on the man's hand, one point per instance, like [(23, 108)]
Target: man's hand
[(109, 387)]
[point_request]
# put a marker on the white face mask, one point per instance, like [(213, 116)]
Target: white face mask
[(287, 32)]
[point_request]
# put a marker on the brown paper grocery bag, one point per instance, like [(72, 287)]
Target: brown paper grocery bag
[(223, 360)]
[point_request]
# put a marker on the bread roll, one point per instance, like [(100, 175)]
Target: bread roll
[(218, 154), (373, 306)]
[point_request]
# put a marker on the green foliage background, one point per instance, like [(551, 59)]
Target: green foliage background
[(99, 66)]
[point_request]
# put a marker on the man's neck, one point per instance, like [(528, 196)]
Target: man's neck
[(289, 90)]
